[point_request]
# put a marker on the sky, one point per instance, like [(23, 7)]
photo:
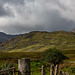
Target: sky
[(22, 16)]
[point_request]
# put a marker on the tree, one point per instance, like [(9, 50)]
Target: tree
[(54, 56)]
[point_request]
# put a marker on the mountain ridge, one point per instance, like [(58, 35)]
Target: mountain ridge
[(5, 37), (39, 41)]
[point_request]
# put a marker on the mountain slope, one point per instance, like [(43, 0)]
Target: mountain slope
[(5, 37), (40, 41)]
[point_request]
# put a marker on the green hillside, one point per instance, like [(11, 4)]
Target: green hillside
[(40, 41)]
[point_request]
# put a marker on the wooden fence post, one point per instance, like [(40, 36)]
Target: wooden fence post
[(56, 69), (24, 66), (13, 71), (64, 73), (52, 69), (43, 70), (60, 73), (67, 73)]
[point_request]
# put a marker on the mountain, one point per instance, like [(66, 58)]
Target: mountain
[(73, 30), (39, 41), (5, 37)]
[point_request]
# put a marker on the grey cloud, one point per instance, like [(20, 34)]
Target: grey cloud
[(14, 29), (34, 15), (56, 23), (13, 1), (5, 11)]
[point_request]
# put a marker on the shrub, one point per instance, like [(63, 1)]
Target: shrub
[(72, 70), (53, 56)]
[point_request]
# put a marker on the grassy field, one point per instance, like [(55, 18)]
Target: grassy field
[(36, 67), (36, 63), (33, 55)]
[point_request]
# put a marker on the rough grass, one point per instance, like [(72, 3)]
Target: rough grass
[(36, 67), (33, 55), (68, 67), (12, 57), (70, 54), (18, 55)]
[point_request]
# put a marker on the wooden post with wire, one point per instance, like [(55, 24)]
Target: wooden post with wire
[(43, 70), (52, 69), (56, 69)]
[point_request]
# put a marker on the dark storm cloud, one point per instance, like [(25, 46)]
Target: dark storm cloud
[(5, 5), (55, 24), (5, 11), (13, 1), (34, 15)]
